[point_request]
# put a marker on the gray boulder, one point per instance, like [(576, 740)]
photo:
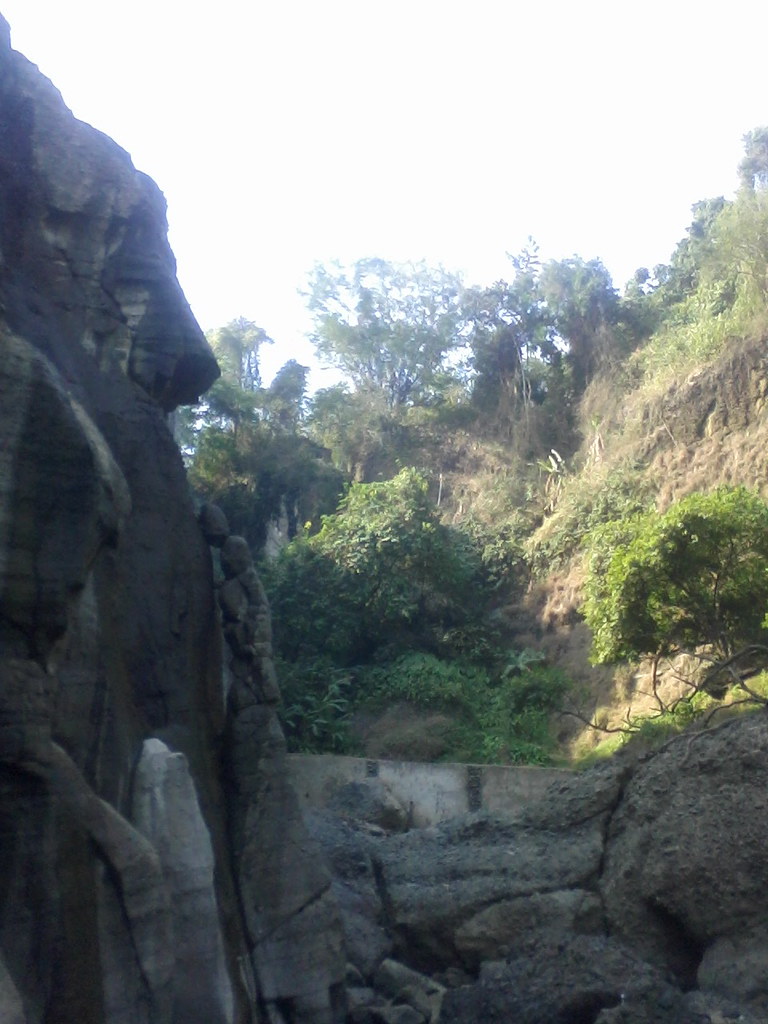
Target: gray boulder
[(566, 981), (370, 801), (686, 856), (351, 854)]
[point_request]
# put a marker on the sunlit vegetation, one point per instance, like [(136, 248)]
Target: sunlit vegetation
[(482, 437)]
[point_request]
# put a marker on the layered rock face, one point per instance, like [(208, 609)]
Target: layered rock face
[(129, 785)]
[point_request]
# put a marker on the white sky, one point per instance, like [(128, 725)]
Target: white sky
[(288, 132)]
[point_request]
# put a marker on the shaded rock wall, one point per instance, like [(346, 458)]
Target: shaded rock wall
[(119, 901)]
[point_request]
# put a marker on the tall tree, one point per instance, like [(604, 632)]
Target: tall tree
[(583, 305), (753, 169), (389, 327), (233, 399), (284, 400), (236, 347), (511, 339)]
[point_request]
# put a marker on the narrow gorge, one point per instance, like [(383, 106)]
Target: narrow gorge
[(155, 867)]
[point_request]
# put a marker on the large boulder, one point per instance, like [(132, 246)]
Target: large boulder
[(566, 981), (351, 852), (438, 880), (685, 876)]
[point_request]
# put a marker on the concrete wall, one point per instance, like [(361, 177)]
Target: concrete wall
[(432, 792)]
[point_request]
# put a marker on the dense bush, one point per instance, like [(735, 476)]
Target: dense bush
[(316, 706), (501, 717), (386, 604), (381, 572), (697, 575)]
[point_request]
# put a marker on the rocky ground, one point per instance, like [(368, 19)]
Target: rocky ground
[(635, 892)]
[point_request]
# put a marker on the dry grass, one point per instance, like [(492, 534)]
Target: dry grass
[(691, 433)]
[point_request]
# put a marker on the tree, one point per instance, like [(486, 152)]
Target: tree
[(388, 536), (739, 257), (693, 255), (753, 169), (584, 307), (388, 327), (351, 425), (383, 566), (236, 347), (511, 340), (232, 401), (243, 444), (695, 576), (283, 402)]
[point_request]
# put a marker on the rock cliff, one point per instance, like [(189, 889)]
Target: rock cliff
[(154, 866)]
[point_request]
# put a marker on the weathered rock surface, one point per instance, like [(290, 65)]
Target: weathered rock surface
[(371, 801), (635, 892), (145, 879), (350, 852), (167, 812), (563, 981)]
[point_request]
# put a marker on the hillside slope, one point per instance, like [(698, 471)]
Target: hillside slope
[(703, 429)]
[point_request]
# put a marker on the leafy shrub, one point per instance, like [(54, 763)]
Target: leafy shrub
[(504, 719), (696, 575), (515, 722), (382, 571), (316, 607), (499, 547), (316, 706), (423, 680)]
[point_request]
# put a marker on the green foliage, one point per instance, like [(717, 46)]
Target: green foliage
[(425, 681), (315, 606), (697, 575), (316, 707), (512, 342), (499, 545), (691, 258), (236, 347), (716, 284), (515, 722), (388, 327), (389, 537), (740, 257), (500, 718), (382, 570), (386, 594), (283, 402), (583, 307), (753, 169), (261, 474), (243, 445), (585, 503), (697, 332)]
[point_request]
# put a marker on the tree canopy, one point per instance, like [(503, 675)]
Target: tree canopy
[(696, 575), (387, 326)]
